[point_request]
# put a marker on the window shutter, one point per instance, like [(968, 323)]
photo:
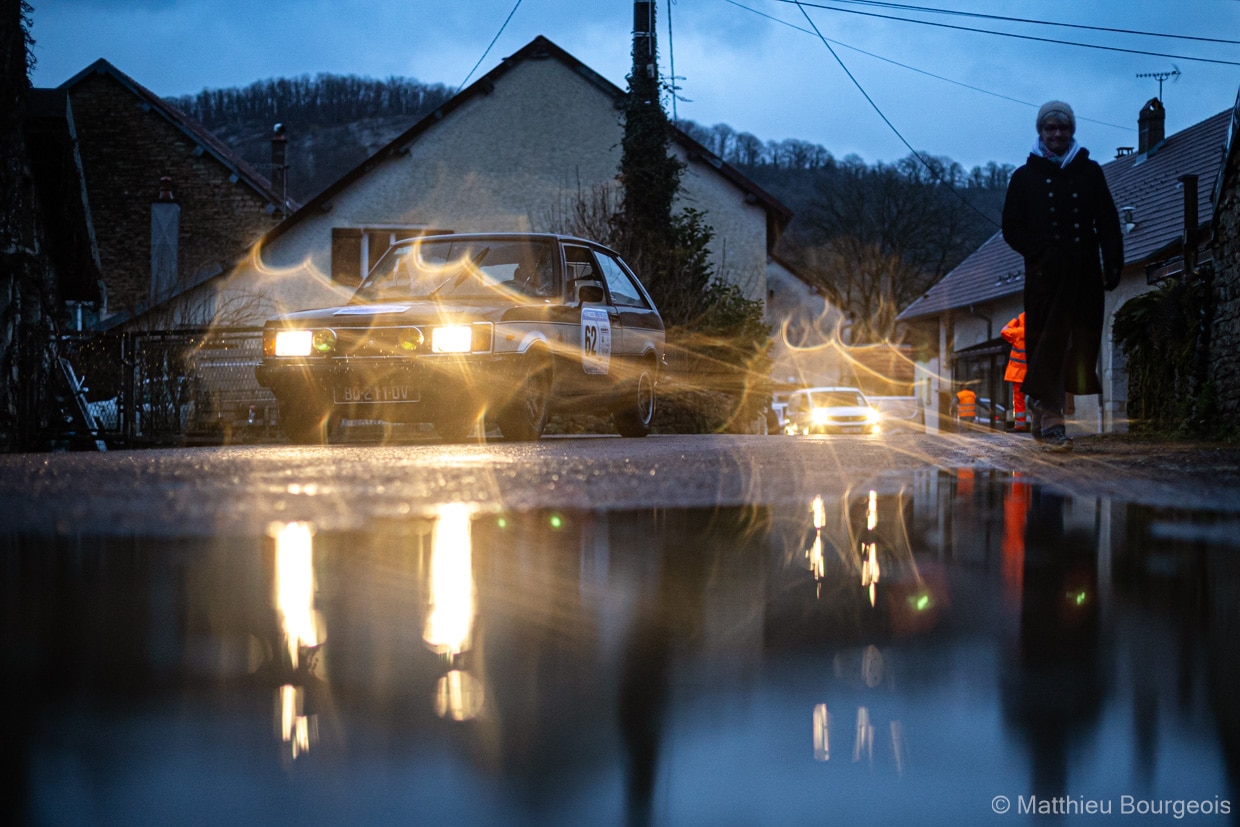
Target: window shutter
[(347, 256)]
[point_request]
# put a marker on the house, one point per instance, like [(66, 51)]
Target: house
[(521, 149), (1163, 192), (146, 200)]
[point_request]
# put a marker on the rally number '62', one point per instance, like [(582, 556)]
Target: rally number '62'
[(595, 340)]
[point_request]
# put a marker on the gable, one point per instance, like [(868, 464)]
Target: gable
[(517, 151)]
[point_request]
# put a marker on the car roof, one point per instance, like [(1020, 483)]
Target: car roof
[(829, 389), (506, 236)]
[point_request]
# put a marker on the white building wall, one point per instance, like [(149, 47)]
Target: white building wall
[(511, 160)]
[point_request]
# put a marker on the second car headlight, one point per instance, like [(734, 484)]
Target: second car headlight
[(454, 339)]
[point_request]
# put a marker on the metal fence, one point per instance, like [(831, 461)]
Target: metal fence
[(175, 387)]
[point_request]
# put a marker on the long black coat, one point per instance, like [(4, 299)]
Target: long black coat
[(1064, 222)]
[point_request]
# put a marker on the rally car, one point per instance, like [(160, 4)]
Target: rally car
[(466, 330)]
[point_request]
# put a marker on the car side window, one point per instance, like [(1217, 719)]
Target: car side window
[(623, 289), (581, 269)]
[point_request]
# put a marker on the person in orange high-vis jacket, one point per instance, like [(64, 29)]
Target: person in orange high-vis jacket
[(966, 405), (1014, 333)]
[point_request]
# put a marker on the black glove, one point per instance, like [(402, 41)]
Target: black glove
[(1111, 280)]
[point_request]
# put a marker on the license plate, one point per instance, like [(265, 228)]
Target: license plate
[(356, 394), (850, 429)]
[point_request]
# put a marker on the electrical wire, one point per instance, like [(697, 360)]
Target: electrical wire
[(929, 167), (799, 4), (981, 16), (489, 46), (910, 68)]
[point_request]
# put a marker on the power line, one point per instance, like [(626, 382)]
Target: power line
[(800, 3), (979, 15), (911, 68), (489, 46), (887, 121)]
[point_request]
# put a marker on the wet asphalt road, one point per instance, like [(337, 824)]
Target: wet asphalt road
[(207, 491)]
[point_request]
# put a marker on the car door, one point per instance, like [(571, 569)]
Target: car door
[(592, 332), (638, 328)]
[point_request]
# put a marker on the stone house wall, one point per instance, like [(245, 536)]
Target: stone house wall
[(125, 148), (1225, 334)]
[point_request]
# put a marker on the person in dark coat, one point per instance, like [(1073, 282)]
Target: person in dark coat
[(1060, 216)]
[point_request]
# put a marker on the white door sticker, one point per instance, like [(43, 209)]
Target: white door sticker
[(595, 340)]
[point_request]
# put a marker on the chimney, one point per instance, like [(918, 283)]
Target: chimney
[(165, 236), (279, 167), (1151, 125)]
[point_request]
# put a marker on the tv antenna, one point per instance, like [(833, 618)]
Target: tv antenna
[(1162, 76)]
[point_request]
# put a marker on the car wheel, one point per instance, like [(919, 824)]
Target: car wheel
[(634, 415), (524, 418)]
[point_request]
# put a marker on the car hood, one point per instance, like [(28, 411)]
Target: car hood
[(845, 410), (363, 315)]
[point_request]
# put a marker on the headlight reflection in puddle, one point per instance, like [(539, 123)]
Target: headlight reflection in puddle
[(450, 620)]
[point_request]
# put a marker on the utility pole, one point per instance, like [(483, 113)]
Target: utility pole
[(648, 172)]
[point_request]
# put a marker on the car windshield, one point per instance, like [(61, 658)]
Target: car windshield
[(836, 399), (449, 268)]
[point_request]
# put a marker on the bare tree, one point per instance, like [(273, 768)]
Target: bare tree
[(882, 235)]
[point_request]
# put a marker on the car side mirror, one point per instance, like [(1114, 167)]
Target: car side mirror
[(591, 293)]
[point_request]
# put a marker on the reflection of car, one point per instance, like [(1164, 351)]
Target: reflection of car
[(451, 329), (831, 411)]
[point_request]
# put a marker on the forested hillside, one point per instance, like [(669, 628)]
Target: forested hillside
[(333, 122), (873, 236)]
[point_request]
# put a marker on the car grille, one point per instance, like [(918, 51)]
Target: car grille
[(848, 420), (373, 342)]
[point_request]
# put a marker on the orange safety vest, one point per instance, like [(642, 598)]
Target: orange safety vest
[(1014, 332), (966, 404)]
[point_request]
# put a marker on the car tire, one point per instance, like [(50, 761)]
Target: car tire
[(524, 418), (634, 415)]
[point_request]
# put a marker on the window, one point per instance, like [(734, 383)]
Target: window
[(355, 250), (624, 291)]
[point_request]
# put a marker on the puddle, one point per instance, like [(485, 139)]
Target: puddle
[(969, 644)]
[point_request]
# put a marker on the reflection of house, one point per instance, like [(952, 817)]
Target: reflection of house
[(140, 199), (1155, 187), (517, 150)]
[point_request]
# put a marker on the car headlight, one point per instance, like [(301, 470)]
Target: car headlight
[(873, 416), (453, 339), (819, 416), (294, 343)]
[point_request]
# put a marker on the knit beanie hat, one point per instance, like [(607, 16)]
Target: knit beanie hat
[(1057, 109)]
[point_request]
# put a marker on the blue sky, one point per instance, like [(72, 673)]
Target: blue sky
[(757, 65)]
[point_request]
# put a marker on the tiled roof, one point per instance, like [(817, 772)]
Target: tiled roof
[(1148, 182)]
